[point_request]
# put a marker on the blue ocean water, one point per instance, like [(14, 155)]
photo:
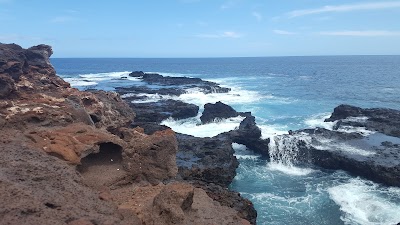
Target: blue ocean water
[(283, 93)]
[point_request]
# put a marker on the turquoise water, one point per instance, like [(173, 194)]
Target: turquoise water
[(283, 93)]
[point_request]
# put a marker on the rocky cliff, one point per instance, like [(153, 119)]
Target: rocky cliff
[(70, 157)]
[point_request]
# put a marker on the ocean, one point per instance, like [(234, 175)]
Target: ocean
[(284, 93)]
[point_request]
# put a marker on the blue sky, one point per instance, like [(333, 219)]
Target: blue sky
[(203, 28)]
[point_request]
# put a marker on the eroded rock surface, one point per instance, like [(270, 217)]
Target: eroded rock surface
[(70, 157), (386, 121), (178, 203), (360, 144), (206, 159)]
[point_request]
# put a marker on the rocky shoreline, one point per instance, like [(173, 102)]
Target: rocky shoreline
[(94, 157), (73, 157)]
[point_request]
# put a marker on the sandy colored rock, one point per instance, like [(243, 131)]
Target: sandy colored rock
[(72, 142)]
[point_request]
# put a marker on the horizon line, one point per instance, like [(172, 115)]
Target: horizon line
[(219, 57)]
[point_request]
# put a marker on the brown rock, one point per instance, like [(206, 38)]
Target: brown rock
[(178, 203), (150, 157), (72, 142), (80, 222)]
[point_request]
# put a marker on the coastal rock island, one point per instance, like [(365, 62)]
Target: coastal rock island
[(73, 157)]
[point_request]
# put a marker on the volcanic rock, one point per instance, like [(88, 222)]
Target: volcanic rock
[(69, 157), (178, 203), (183, 82), (383, 120), (249, 134), (217, 111), (206, 159), (164, 109), (373, 157)]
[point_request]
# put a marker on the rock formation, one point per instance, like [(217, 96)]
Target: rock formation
[(373, 154), (70, 157)]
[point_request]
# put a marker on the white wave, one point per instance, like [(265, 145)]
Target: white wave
[(106, 76), (287, 202), (359, 119), (269, 131), (360, 130), (290, 170), (241, 152), (92, 79), (152, 98), (235, 96), (327, 144), (364, 202), (318, 121), (193, 127)]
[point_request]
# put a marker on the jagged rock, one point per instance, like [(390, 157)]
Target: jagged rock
[(206, 159), (108, 110), (164, 109), (352, 152), (150, 157), (230, 199), (36, 188), (72, 142), (7, 86), (178, 203), (94, 159), (137, 92), (217, 111), (249, 134), (386, 121), (183, 82)]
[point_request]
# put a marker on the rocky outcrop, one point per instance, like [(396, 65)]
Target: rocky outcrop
[(36, 188), (71, 157), (217, 111), (150, 157), (178, 203), (181, 82), (206, 159), (158, 111), (386, 121), (229, 199), (370, 154)]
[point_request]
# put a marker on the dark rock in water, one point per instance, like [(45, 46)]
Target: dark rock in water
[(164, 109), (137, 74), (230, 199), (206, 159), (140, 90), (383, 120), (183, 82), (249, 134), (352, 152), (217, 111)]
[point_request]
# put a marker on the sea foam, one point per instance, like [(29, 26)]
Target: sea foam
[(364, 202)]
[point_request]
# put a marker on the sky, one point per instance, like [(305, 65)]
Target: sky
[(203, 28)]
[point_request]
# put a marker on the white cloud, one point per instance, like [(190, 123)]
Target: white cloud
[(257, 15), (345, 8), (225, 34), (62, 19), (283, 32), (366, 33)]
